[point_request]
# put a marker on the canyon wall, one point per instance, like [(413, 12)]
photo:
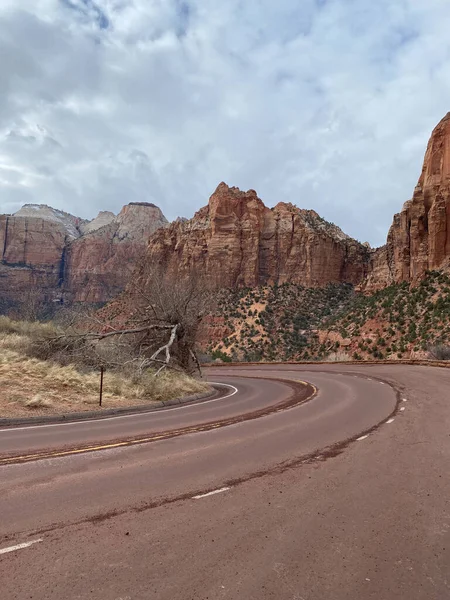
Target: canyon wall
[(237, 241), (63, 259), (31, 255), (234, 241), (101, 262), (419, 238)]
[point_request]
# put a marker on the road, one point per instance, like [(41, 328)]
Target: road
[(256, 495)]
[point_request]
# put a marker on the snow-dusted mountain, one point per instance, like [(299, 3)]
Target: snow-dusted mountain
[(68, 259), (71, 223)]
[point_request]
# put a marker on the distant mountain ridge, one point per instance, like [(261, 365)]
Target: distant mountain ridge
[(235, 241), (72, 224), (66, 259)]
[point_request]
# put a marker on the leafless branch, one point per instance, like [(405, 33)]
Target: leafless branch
[(166, 348)]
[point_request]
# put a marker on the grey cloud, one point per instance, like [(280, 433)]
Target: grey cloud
[(325, 104)]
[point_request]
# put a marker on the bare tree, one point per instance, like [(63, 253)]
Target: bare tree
[(158, 326), (33, 303), (167, 316)]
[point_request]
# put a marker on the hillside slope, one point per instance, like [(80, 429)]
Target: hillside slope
[(278, 323)]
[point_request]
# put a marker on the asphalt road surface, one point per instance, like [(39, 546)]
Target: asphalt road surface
[(259, 494)]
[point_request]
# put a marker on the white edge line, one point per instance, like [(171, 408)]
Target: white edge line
[(389, 421), (75, 423), (19, 546), (224, 489), (363, 437)]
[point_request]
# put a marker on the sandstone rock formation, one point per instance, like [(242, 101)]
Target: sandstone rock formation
[(419, 238), (234, 241), (104, 217), (31, 251), (237, 241), (100, 263), (72, 225), (63, 258)]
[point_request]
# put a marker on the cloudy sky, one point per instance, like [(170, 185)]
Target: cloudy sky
[(324, 103)]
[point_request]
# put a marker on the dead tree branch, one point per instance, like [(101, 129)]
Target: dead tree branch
[(166, 347)]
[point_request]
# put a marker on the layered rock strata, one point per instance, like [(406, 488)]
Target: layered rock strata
[(31, 256), (236, 241), (65, 259), (419, 238), (100, 263)]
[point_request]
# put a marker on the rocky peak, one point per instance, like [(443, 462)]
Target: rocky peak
[(236, 241), (231, 209), (104, 217), (419, 238), (138, 220), (223, 190), (436, 166), (69, 222), (100, 264)]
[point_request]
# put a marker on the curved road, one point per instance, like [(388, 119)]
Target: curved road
[(259, 494)]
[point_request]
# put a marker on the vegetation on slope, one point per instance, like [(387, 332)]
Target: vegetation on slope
[(289, 322), (397, 322), (274, 322)]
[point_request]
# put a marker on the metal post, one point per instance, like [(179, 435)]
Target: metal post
[(101, 385)]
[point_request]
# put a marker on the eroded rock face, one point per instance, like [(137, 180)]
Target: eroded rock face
[(63, 258), (100, 263), (419, 238), (72, 225), (236, 241), (104, 217), (31, 254)]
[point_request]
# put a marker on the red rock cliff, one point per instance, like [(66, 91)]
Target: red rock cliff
[(60, 256), (419, 238), (100, 263), (237, 241), (31, 250)]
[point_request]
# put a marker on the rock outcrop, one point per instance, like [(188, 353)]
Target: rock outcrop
[(100, 263), (104, 217), (236, 241), (73, 226), (31, 253), (419, 238), (62, 258)]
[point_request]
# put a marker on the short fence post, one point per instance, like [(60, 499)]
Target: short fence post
[(101, 385)]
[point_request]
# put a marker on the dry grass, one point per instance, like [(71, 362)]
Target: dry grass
[(32, 386), (338, 357), (38, 401), (25, 328)]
